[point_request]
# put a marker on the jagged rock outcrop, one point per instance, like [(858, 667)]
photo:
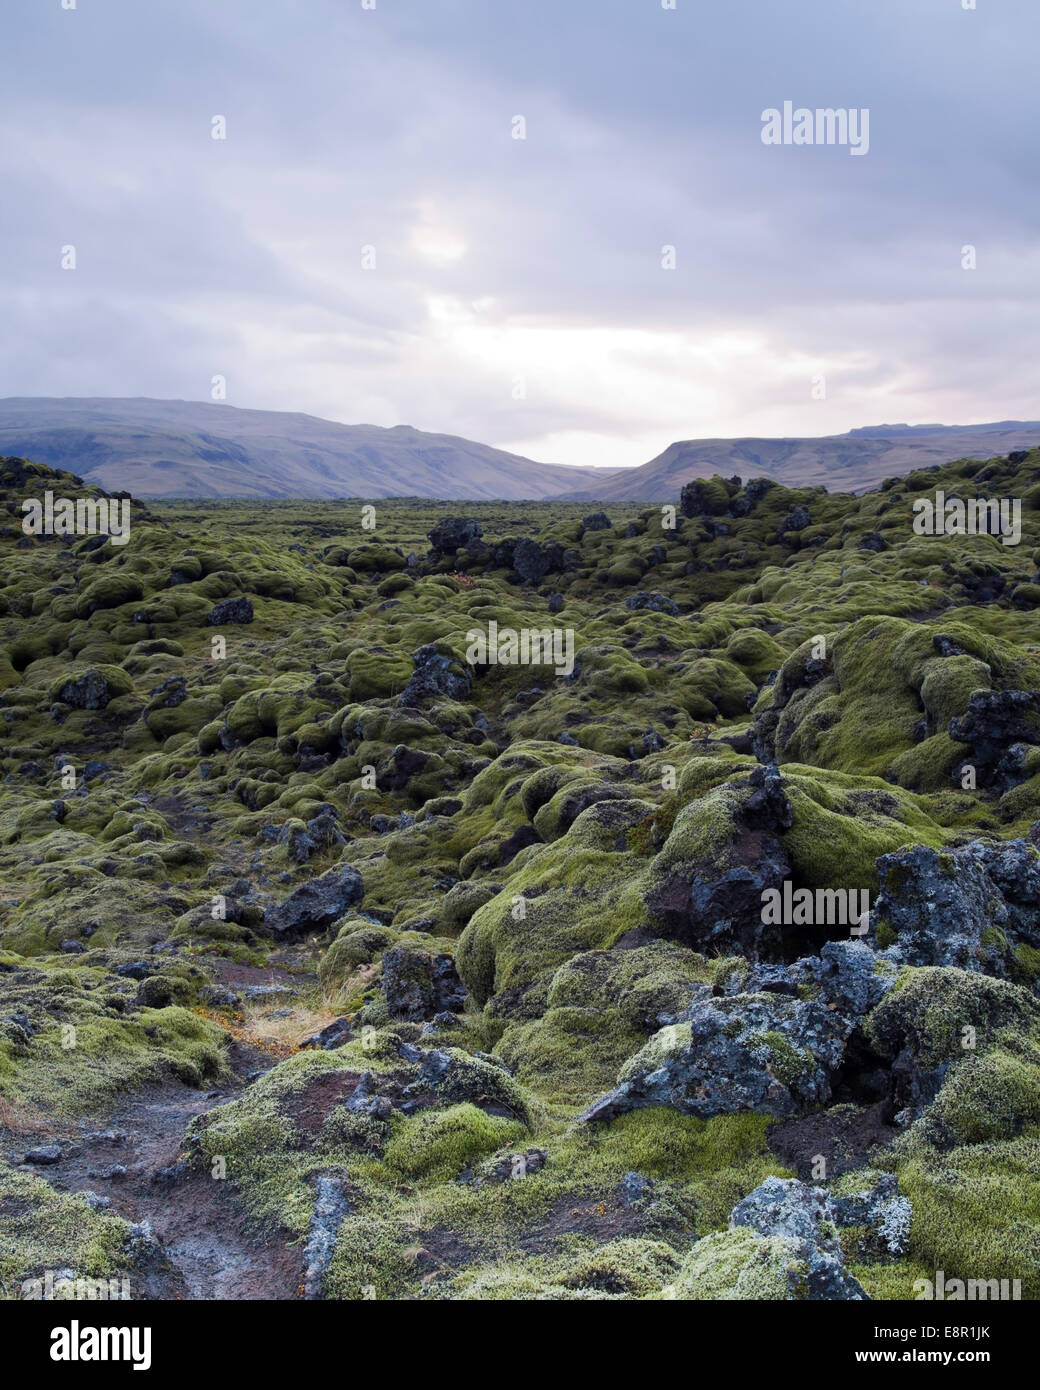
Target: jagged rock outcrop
[(314, 906)]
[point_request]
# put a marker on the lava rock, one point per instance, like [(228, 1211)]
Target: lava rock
[(453, 533), (330, 1207), (653, 602), (438, 675), (994, 721), (706, 497), (968, 907), (796, 520), (419, 985), (45, 1155), (714, 899), (363, 1102), (91, 690), (530, 561), (316, 905), (852, 977), (510, 1167), (135, 970), (873, 541), (762, 1052), (329, 1038), (791, 1210), (303, 842), (219, 997), (171, 692), (231, 610)]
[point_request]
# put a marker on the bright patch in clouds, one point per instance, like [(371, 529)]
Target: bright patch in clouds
[(434, 240)]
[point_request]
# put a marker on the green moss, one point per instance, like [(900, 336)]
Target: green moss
[(977, 1212), (932, 1007), (42, 1229), (85, 1050), (740, 1265), (788, 1063), (538, 855), (988, 1097), (437, 1146), (1026, 961), (634, 1268), (357, 944)]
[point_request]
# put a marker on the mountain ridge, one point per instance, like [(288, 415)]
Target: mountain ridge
[(194, 449), (851, 462), (170, 449)]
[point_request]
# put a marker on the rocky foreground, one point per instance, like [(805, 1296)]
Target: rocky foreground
[(339, 962)]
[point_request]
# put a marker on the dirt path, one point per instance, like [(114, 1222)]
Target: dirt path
[(197, 1219)]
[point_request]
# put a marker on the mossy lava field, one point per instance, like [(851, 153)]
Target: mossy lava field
[(339, 960)]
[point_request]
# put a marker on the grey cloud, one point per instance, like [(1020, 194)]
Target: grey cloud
[(643, 130)]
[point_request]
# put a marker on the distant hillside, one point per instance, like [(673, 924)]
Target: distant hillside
[(840, 462), (156, 448)]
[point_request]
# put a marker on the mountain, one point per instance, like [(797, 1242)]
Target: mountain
[(840, 462), (156, 448)]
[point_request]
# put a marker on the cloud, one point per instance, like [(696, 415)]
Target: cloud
[(515, 291)]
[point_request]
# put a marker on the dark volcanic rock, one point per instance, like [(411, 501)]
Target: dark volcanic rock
[(655, 602), (922, 1031), (510, 1167), (874, 541), (172, 691), (967, 907), (706, 497), (532, 563), (330, 1207), (231, 610), (762, 1052), (219, 997), (135, 970), (453, 533), (851, 977), (45, 1155), (303, 842), (438, 675), (787, 1208), (419, 985), (316, 905), (334, 1035), (710, 896), (993, 722), (91, 690), (796, 520)]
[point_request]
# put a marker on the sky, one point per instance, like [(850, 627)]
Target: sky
[(372, 242)]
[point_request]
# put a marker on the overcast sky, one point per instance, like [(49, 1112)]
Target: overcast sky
[(518, 295)]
